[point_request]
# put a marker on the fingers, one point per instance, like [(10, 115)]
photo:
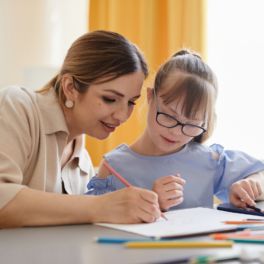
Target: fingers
[(127, 206), (259, 189), (149, 212), (146, 195), (171, 194), (174, 202), (250, 186), (249, 194), (171, 178), (246, 197), (170, 190), (243, 190), (256, 188), (236, 201), (167, 188), (172, 186), (149, 204), (161, 185), (146, 217), (165, 206)]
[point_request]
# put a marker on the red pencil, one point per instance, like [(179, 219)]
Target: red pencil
[(118, 176)]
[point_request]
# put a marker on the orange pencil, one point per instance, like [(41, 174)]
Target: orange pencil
[(118, 176), (242, 222), (226, 236)]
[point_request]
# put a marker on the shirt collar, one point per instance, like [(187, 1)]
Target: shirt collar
[(54, 121), (80, 153), (51, 111)]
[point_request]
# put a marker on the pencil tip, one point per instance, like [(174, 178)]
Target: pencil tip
[(163, 215), (95, 239)]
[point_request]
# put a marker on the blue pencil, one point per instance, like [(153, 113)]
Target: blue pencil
[(119, 240), (242, 227)]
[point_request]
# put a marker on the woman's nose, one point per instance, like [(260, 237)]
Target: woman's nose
[(121, 114)]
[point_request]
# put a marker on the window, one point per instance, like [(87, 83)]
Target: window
[(236, 54)]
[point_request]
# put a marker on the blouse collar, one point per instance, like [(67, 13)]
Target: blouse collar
[(54, 121)]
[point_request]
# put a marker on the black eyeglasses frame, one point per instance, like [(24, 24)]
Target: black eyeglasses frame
[(178, 122)]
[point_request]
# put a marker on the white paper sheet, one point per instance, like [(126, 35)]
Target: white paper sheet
[(184, 222)]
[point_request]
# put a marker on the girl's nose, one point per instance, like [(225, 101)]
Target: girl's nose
[(176, 130)]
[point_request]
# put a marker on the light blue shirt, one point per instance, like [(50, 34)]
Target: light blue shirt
[(204, 175)]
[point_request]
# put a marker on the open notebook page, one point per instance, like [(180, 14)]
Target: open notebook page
[(183, 223)]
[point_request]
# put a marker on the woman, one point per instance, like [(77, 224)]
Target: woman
[(41, 143)]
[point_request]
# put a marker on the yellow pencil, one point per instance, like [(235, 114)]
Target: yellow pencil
[(178, 244)]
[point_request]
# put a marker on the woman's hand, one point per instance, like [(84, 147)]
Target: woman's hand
[(245, 192), (126, 206), (167, 188)]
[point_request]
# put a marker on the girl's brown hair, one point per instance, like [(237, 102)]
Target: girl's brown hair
[(95, 55), (196, 86)]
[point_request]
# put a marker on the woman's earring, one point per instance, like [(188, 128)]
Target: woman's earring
[(69, 103)]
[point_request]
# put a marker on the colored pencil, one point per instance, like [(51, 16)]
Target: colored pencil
[(181, 260), (254, 232), (243, 240), (213, 259), (242, 222), (252, 228), (119, 240), (118, 176), (246, 232), (179, 244), (252, 225), (226, 236), (242, 256), (255, 209), (253, 220)]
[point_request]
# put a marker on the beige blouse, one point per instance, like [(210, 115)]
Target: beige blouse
[(33, 134)]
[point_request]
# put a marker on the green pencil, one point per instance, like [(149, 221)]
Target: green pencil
[(212, 259), (245, 240)]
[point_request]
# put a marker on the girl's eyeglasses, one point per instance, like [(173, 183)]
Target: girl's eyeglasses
[(169, 121)]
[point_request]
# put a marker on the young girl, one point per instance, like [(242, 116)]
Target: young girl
[(181, 116)]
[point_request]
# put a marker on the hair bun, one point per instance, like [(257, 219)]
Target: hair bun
[(186, 52)]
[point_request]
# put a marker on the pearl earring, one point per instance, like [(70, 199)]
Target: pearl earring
[(69, 103)]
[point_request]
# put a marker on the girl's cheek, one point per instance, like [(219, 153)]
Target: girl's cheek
[(159, 129)]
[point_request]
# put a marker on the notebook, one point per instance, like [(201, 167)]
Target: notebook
[(184, 223)]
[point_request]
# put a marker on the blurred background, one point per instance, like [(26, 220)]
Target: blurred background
[(35, 36)]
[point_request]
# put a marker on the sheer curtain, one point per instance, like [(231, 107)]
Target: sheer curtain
[(235, 53)]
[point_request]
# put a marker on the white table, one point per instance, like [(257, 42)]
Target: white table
[(73, 244)]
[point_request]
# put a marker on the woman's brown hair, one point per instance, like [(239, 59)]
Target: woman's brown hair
[(196, 85), (96, 55)]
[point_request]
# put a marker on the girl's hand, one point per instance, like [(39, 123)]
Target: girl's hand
[(245, 192), (126, 206), (167, 188)]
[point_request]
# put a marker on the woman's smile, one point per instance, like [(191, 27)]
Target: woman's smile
[(109, 127)]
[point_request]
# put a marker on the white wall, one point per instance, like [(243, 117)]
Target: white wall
[(35, 36), (235, 53)]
